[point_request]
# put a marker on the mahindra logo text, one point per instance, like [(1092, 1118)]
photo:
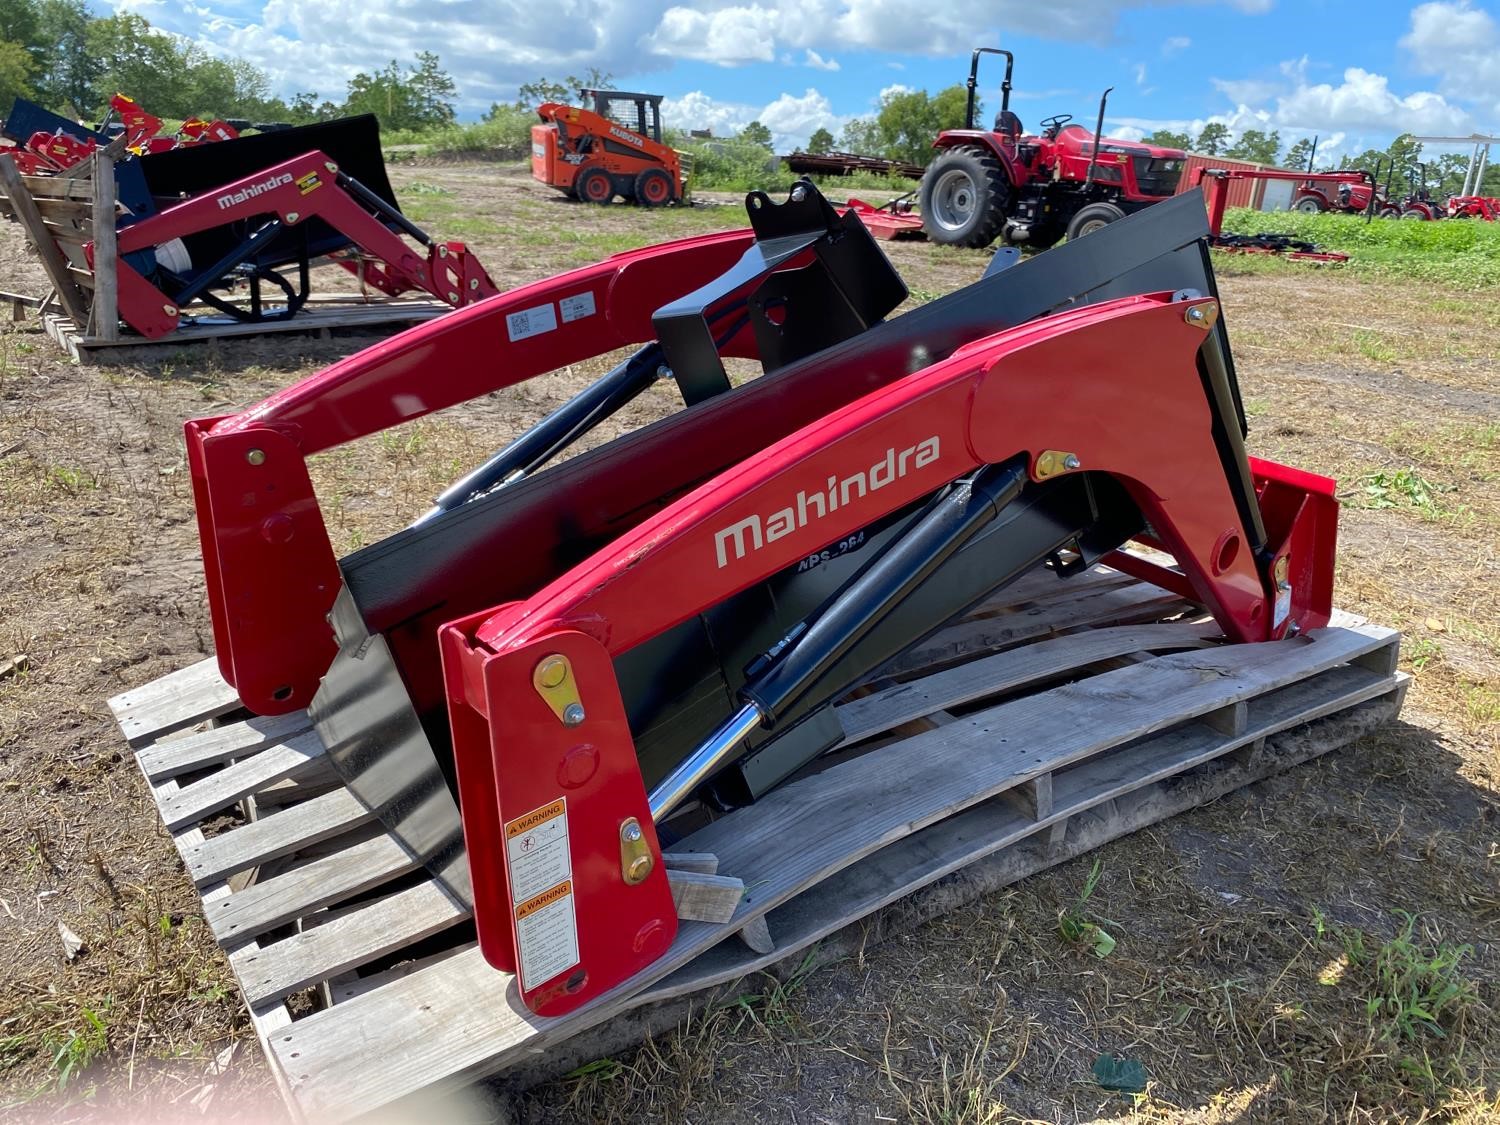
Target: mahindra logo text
[(227, 201), (755, 531)]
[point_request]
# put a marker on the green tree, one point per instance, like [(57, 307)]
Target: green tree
[(821, 141), (137, 60), (533, 94), (1166, 138), (860, 136), (20, 23), (16, 69), (910, 120), (756, 134), (1298, 155), (1213, 139), (1256, 146), (433, 89), (69, 71)]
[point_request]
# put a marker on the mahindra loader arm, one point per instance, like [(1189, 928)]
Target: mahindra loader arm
[(575, 651), (290, 193)]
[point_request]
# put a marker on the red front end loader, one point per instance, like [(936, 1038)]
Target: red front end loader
[(1024, 188), (583, 655)]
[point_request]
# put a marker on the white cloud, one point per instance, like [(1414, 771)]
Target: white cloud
[(729, 36), (1364, 100), (1173, 44), (1461, 45), (1140, 74), (818, 62), (791, 119)]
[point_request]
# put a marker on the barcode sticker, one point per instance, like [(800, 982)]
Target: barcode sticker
[(576, 307), (531, 322)]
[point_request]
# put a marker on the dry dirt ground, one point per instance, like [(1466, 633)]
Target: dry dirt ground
[(1323, 945)]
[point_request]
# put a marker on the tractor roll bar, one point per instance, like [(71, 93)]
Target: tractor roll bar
[(1010, 64)]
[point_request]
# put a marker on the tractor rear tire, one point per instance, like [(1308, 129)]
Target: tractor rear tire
[(1415, 213), (1309, 205), (1096, 216), (1388, 212), (595, 186), (964, 198), (654, 188)]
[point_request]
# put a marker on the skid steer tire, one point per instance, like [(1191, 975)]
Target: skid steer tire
[(964, 198), (595, 186), (1095, 216), (653, 188)]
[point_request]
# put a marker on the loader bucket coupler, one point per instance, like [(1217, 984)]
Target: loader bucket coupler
[(559, 658)]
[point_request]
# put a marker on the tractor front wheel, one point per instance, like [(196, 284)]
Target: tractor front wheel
[(964, 198), (1096, 216), (1309, 205), (595, 186), (653, 188)]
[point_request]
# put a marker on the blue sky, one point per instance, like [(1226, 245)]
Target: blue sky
[(1356, 75)]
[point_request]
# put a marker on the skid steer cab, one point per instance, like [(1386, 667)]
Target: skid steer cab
[(1033, 188), (613, 149), (563, 661)]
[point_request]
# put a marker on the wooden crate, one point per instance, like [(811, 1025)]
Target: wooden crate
[(61, 214), (1059, 716)]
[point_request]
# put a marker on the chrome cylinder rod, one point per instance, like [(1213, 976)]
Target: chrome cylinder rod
[(698, 766)]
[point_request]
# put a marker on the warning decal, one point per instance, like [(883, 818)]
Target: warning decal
[(546, 935), (536, 850)]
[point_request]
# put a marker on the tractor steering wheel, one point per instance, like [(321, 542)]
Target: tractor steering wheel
[(1051, 125)]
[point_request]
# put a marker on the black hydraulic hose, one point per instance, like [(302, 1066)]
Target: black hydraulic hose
[(559, 429), (878, 588), (382, 208)]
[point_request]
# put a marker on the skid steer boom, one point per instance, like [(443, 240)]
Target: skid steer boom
[(553, 661)]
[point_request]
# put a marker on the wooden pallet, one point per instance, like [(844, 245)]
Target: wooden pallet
[(1060, 716), (63, 213)]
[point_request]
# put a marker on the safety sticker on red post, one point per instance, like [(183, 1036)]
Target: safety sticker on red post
[(541, 890)]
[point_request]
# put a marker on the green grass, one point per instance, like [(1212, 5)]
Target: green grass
[(1460, 253)]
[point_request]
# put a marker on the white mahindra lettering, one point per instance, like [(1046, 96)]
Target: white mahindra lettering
[(227, 201), (754, 531), (628, 138)]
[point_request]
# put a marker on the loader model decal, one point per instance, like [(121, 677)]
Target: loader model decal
[(754, 531), (252, 190)]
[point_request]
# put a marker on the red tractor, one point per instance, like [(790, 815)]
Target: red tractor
[(1349, 192), (1034, 189), (1486, 207)]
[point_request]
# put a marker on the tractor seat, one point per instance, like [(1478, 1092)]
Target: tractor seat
[(1008, 125)]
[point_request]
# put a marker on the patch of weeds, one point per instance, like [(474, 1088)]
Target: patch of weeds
[(73, 1050), (422, 187), (1078, 929), (1400, 488), (72, 481), (1423, 651), (1412, 990), (1372, 345), (1482, 704), (601, 1070), (772, 1007), (1255, 407)]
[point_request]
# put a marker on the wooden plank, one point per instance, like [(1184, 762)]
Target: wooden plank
[(284, 898), (214, 747), (361, 316), (47, 252), (705, 863), (172, 702), (222, 789), (970, 639), (51, 187), (271, 837), (451, 1023), (360, 936), (985, 832), (879, 712), (104, 323), (704, 898)]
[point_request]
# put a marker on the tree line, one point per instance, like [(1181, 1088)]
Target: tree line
[(59, 54)]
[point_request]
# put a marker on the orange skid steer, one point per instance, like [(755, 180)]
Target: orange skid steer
[(613, 149), (564, 663)]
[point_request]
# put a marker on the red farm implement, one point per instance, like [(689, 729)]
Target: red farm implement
[(201, 240), (1215, 184)]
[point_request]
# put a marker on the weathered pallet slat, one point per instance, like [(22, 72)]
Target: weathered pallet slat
[(1094, 750)]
